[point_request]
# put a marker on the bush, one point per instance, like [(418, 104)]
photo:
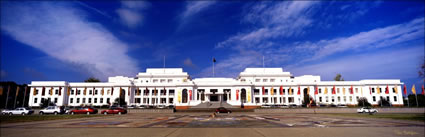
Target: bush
[(363, 102)]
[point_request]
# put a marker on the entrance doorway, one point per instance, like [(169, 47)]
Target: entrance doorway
[(214, 98)]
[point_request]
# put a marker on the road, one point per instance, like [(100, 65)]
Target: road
[(202, 124)]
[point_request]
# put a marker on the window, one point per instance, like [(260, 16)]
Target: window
[(327, 99), (56, 100), (271, 80), (333, 100), (95, 100), (146, 92), (373, 90), (265, 100), (90, 92), (171, 92), (257, 100), (320, 99), (339, 99), (345, 99), (78, 100), (291, 99), (393, 90), (72, 100), (257, 80), (264, 80), (137, 100), (43, 93), (108, 100), (56, 91), (388, 98), (89, 100), (266, 91), (243, 80), (162, 80), (256, 91), (155, 80), (36, 91), (374, 98), (351, 99), (171, 101), (96, 92), (35, 100), (320, 91), (84, 100), (101, 100), (78, 92), (72, 92), (395, 99), (170, 80)]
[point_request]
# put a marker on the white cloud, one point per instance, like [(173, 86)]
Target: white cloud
[(130, 12), (194, 7), (394, 64), (62, 31)]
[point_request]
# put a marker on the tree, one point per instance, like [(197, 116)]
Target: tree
[(92, 79), (338, 77), (363, 102), (119, 102), (46, 102), (421, 71), (384, 102), (412, 100)]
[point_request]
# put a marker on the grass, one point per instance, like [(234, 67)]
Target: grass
[(412, 117), (28, 118)]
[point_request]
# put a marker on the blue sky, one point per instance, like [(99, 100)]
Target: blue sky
[(73, 40)]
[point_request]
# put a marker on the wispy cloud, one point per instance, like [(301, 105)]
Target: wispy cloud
[(130, 12), (194, 7), (61, 31)]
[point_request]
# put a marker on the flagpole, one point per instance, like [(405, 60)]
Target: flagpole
[(7, 97), (213, 67), (25, 95)]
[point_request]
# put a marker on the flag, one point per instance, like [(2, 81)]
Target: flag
[(378, 89), (352, 91), (85, 91), (271, 91), (103, 91), (264, 91), (290, 91), (69, 91), (190, 95), (237, 94), (43, 90), (413, 89), (299, 90), (395, 89), (154, 91), (405, 91), (60, 91), (120, 91), (333, 90), (370, 90), (249, 95), (326, 90), (281, 90), (316, 91), (343, 91), (147, 90), (387, 91), (423, 90), (112, 90), (179, 95), (308, 90), (17, 91), (51, 91), (129, 90), (165, 91)]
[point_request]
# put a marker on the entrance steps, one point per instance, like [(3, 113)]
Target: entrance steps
[(213, 105)]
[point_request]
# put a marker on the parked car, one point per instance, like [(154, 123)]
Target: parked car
[(83, 110), (342, 106), (284, 106), (293, 106), (161, 106), (114, 110), (143, 106), (18, 111), (366, 110), (132, 106), (171, 106), (52, 110), (265, 106), (222, 110)]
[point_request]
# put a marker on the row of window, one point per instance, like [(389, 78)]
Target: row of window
[(55, 100), (43, 93), (89, 100), (154, 100), (159, 81)]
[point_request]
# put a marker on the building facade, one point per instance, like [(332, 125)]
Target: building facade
[(252, 88)]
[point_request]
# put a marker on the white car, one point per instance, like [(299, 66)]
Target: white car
[(18, 111), (52, 110), (366, 110), (161, 106)]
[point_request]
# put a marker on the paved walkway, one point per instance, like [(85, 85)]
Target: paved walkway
[(201, 124)]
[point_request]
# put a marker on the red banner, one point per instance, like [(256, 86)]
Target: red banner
[(387, 91), (237, 94), (190, 95), (281, 90), (404, 90), (333, 90), (299, 90), (264, 91)]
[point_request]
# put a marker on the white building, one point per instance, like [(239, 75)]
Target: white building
[(252, 88)]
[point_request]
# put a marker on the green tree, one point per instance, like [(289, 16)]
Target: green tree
[(384, 102), (92, 79), (338, 77), (363, 102), (46, 102)]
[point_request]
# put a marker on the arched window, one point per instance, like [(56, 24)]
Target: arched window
[(243, 95), (184, 96)]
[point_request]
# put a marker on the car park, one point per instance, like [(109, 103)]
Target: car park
[(83, 110), (366, 110), (222, 110), (52, 110), (114, 110), (18, 111)]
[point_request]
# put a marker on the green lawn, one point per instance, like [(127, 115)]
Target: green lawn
[(28, 118), (414, 117)]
